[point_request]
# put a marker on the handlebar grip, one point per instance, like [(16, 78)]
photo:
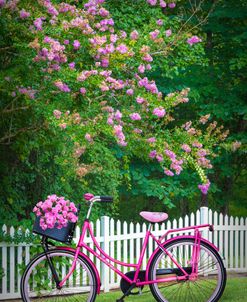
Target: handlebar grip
[(106, 198)]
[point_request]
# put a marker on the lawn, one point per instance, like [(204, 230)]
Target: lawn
[(235, 291)]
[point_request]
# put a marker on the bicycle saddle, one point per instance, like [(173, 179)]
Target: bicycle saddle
[(154, 216)]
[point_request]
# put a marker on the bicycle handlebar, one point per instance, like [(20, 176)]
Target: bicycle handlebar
[(91, 198)]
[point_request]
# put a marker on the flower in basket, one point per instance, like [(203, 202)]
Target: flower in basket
[(55, 212)]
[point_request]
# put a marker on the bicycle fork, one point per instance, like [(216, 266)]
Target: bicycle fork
[(50, 263)]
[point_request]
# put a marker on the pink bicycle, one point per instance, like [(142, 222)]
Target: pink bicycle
[(183, 268)]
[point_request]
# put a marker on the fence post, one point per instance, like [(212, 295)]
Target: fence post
[(204, 220), (105, 233)]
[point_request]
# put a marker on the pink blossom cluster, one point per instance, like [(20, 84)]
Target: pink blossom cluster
[(57, 114), (30, 93), (196, 144), (159, 112), (154, 154), (66, 7), (204, 187), (176, 164), (149, 85), (50, 8), (2, 3), (154, 34), (134, 35), (193, 40), (55, 53), (161, 3), (82, 24), (151, 140), (118, 132), (86, 74), (135, 116), (62, 86), (186, 148), (24, 14), (55, 212), (112, 84), (38, 23), (202, 160)]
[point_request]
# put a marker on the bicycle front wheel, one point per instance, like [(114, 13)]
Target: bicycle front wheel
[(37, 283), (207, 287)]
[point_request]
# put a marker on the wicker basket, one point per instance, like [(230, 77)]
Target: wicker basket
[(64, 235)]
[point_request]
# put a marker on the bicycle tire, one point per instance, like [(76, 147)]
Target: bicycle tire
[(28, 282), (182, 294)]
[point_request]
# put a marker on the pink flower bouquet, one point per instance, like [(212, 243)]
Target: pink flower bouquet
[(55, 212)]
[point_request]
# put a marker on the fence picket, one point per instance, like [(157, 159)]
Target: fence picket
[(231, 246), (12, 260), (123, 241), (226, 246), (241, 240), (236, 245), (125, 245)]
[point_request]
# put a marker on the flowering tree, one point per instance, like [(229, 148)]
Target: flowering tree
[(92, 84)]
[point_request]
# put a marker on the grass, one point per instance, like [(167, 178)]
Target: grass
[(235, 291)]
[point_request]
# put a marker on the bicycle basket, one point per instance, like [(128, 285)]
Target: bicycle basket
[(64, 235)]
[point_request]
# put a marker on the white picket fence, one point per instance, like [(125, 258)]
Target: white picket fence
[(124, 241)]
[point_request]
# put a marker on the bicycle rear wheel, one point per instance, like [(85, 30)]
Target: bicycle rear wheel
[(207, 287), (37, 283)]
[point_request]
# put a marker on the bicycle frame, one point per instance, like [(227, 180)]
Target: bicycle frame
[(107, 259)]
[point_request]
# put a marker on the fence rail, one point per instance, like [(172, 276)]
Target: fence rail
[(124, 241)]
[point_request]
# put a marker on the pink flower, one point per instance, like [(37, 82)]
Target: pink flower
[(152, 2), (118, 115), (159, 22), (153, 154), (72, 65), (135, 116), (88, 137), (66, 42), (204, 187), (197, 144), (141, 68), (147, 57), (122, 48), (151, 140), (57, 114), (172, 5), (24, 14), (105, 62), (162, 3), (170, 154), (134, 35), (2, 3), (76, 44), (168, 172), (159, 112), (63, 125), (83, 90), (140, 100), (168, 32), (130, 91), (193, 40), (186, 148), (159, 158), (38, 24), (154, 34), (62, 86)]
